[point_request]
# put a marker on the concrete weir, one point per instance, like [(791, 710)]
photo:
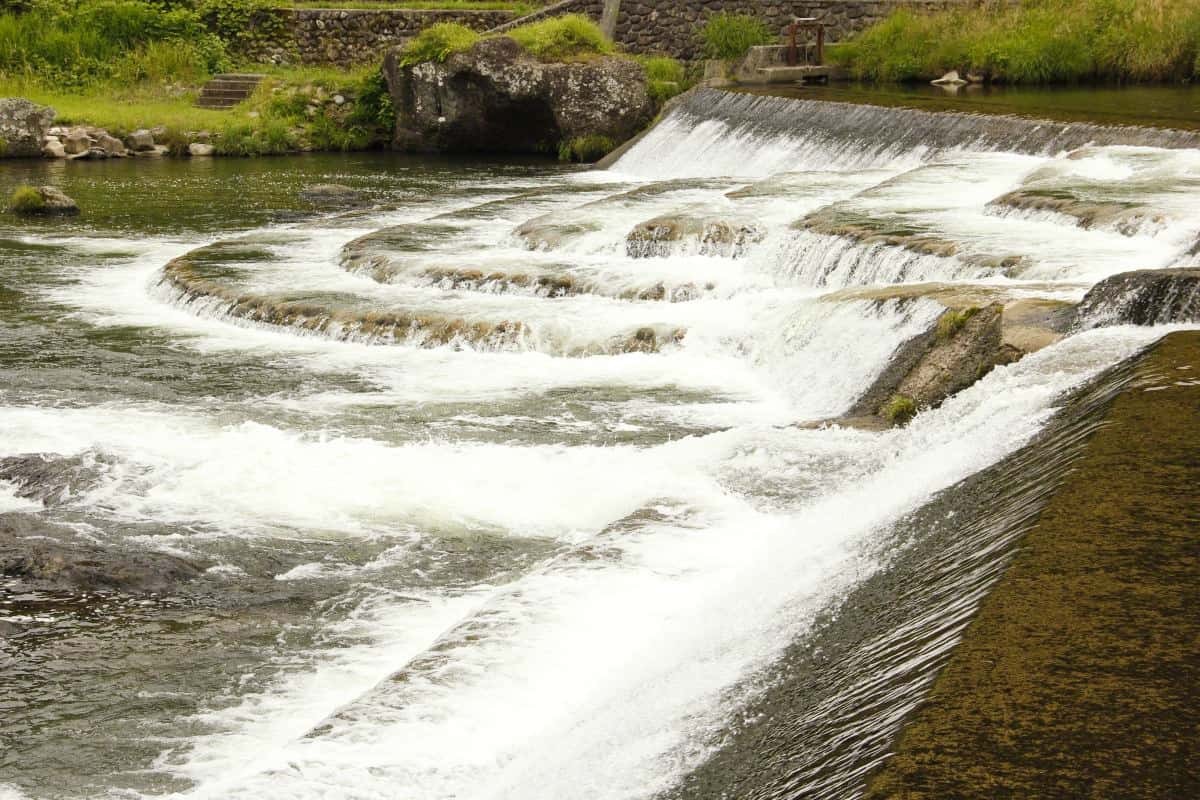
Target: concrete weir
[(1078, 677), (1034, 634)]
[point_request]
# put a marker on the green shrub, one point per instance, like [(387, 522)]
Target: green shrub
[(586, 149), (900, 409), (373, 106), (950, 323), (665, 77), (1036, 41), (437, 43), (242, 23), (730, 36), (26, 200), (572, 36)]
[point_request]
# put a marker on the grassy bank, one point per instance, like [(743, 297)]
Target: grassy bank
[(1035, 42)]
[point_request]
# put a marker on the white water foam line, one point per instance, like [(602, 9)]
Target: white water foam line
[(607, 676)]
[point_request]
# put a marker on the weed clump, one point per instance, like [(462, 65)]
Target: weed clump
[(437, 43), (26, 200), (730, 36), (586, 149), (900, 409), (572, 36), (665, 77), (950, 323)]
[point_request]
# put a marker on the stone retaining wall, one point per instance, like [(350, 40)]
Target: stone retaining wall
[(653, 26), (671, 26), (353, 36)]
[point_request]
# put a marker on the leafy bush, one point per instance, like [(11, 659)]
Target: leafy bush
[(26, 200), (1037, 41), (730, 36), (373, 107), (437, 43), (242, 23), (572, 36), (586, 149), (900, 409)]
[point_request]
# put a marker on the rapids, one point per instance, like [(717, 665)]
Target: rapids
[(490, 503)]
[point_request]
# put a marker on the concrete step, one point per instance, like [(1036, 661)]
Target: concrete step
[(793, 74), (226, 91)]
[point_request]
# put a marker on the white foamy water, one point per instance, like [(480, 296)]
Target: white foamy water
[(555, 568)]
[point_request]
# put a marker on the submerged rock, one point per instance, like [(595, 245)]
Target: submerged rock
[(41, 554), (1144, 297), (1126, 218), (495, 97), (23, 127), (332, 195), (660, 237)]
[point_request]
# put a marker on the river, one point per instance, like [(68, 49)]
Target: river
[(492, 502)]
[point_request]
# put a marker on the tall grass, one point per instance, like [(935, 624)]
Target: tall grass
[(572, 36), (729, 36), (1036, 41), (437, 43), (76, 42), (566, 38)]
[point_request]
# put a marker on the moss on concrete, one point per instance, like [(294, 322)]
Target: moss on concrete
[(1080, 676)]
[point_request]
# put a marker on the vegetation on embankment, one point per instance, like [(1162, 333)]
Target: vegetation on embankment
[(128, 64), (1078, 676), (1034, 42)]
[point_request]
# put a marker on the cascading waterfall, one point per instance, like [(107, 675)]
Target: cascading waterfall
[(521, 489)]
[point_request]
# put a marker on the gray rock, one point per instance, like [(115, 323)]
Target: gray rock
[(77, 142), (54, 203), (1143, 297), (53, 148), (23, 126), (111, 145), (40, 554), (140, 141), (200, 149), (496, 98), (935, 365)]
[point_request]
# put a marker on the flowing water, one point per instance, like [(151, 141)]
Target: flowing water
[(491, 500)]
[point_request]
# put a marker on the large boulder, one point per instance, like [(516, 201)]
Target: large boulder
[(494, 97), (23, 126), (1143, 297)]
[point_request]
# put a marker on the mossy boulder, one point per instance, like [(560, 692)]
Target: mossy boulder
[(23, 125), (496, 97)]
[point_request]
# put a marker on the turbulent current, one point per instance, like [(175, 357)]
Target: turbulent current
[(507, 484)]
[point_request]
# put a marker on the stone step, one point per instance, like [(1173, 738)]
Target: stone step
[(229, 89)]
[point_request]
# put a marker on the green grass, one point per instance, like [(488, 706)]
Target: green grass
[(290, 110), (1034, 42), (572, 37), (665, 77), (950, 323), (26, 200), (586, 149), (900, 409), (569, 37), (730, 36), (437, 43)]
